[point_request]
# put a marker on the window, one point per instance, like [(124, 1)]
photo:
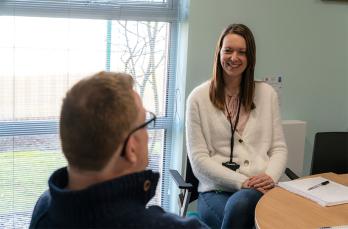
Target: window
[(46, 47)]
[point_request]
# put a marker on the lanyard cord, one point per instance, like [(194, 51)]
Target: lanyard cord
[(233, 128)]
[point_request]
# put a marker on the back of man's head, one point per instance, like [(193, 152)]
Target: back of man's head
[(97, 114)]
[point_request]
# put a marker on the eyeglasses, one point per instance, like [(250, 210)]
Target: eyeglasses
[(151, 120)]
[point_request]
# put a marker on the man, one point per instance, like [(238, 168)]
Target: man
[(104, 139)]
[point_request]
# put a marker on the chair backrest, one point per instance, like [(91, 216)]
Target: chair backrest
[(190, 178), (330, 153)]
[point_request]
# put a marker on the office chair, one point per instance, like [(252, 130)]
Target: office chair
[(189, 186), (330, 153), (289, 173)]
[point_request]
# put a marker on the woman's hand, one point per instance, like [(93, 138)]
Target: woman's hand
[(246, 184), (262, 182)]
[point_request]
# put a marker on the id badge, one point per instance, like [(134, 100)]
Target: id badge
[(231, 165)]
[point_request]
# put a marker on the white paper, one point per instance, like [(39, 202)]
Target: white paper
[(326, 195)]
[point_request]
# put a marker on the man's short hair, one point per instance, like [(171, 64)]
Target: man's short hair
[(97, 114)]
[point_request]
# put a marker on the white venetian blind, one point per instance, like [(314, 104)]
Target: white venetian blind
[(47, 46)]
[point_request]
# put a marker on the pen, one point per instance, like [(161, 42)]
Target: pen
[(318, 185)]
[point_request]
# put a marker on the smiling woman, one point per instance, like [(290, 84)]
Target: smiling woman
[(47, 46), (235, 139)]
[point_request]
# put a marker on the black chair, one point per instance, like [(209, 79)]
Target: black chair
[(289, 173), (189, 186), (330, 153)]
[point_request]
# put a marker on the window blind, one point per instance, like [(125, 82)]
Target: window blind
[(46, 47), (153, 10)]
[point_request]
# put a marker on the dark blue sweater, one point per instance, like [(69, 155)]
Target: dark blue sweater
[(118, 203)]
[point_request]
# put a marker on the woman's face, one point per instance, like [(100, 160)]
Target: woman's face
[(233, 55)]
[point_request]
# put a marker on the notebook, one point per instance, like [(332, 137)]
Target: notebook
[(326, 195)]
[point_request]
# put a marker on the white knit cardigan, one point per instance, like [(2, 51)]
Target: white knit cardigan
[(260, 149)]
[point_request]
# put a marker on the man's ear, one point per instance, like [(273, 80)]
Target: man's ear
[(130, 154)]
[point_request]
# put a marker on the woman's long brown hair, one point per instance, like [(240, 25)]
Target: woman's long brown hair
[(247, 87)]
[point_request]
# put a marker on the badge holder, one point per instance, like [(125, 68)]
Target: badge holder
[(231, 165)]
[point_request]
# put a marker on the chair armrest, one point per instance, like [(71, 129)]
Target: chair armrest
[(291, 174), (179, 180)]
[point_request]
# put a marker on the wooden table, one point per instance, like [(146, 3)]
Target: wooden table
[(282, 209)]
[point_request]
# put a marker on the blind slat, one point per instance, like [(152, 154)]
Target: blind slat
[(108, 10)]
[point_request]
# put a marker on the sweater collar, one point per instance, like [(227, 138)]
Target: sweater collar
[(137, 187)]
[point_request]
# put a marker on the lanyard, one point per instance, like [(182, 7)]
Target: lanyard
[(233, 127)]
